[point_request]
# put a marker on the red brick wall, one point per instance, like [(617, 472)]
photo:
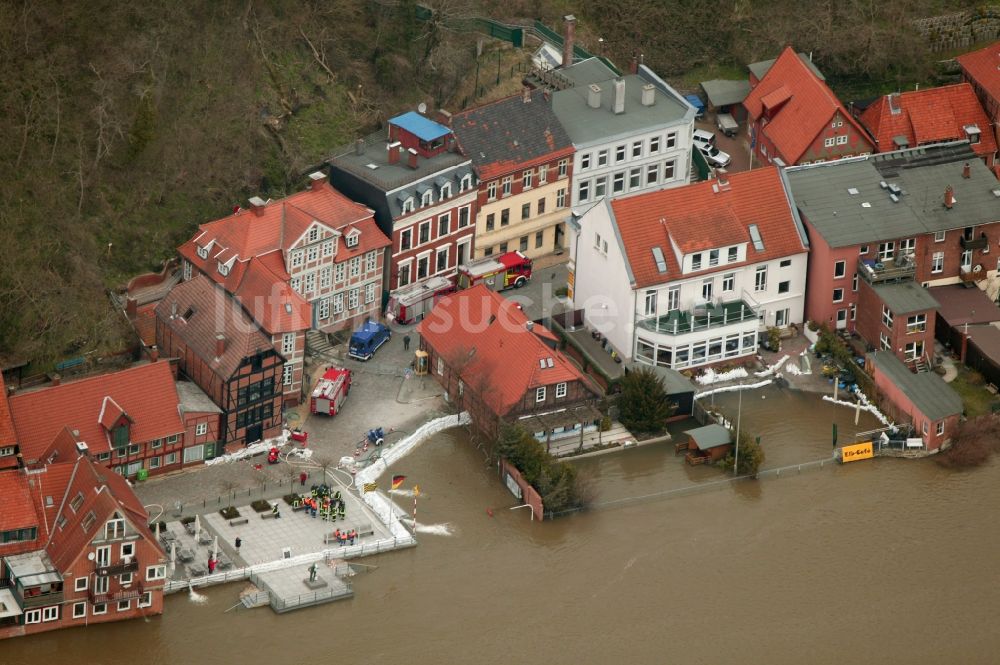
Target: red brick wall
[(530, 495), (901, 409), (451, 240)]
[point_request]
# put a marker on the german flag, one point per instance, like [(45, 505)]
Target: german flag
[(370, 487), (397, 481)]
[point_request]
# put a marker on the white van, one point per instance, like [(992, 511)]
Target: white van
[(703, 137)]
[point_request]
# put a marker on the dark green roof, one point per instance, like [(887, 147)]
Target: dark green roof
[(710, 436), (905, 297), (761, 68), (929, 393), (723, 92)]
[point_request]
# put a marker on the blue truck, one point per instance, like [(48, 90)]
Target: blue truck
[(366, 340)]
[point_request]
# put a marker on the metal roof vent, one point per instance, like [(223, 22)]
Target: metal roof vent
[(894, 188), (853, 191), (866, 204), (894, 198), (883, 184)]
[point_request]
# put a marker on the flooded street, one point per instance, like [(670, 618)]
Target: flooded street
[(885, 561)]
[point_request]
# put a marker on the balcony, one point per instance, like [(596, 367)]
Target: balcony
[(680, 322), (114, 596), (982, 242), (889, 270), (42, 600), (117, 569), (970, 275)]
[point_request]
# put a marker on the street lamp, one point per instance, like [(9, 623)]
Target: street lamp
[(739, 415)]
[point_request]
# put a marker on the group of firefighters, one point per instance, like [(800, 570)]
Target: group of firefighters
[(345, 537)]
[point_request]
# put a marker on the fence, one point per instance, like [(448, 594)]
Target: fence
[(791, 469)]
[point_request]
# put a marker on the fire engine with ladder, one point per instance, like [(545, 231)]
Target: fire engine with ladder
[(330, 391), (512, 269)]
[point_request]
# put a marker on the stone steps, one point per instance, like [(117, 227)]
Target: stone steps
[(317, 343)]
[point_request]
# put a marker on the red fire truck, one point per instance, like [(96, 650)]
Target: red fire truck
[(411, 303), (512, 269), (330, 391)]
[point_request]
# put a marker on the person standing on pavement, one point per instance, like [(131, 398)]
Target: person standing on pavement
[(406, 342), (239, 541)]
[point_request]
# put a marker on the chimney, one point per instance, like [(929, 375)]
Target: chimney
[(648, 94), (619, 102), (444, 117), (131, 306), (967, 171), (594, 96), (173, 310), (56, 379), (220, 345), (412, 158), (530, 325), (359, 147), (569, 24), (154, 354), (393, 149), (633, 65), (525, 94), (257, 205), (316, 180), (949, 197), (722, 179)]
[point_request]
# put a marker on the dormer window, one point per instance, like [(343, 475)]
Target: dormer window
[(202, 252), (426, 198), (223, 269), (466, 183), (408, 205), (114, 529), (972, 133), (446, 190), (352, 238)]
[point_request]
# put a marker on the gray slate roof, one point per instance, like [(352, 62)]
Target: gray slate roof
[(821, 194), (510, 131), (710, 436), (723, 92), (194, 400), (587, 71), (928, 391), (761, 68), (587, 125), (905, 297)]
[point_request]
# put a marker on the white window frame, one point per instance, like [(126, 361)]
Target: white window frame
[(371, 261), (440, 366), (297, 258), (353, 299), (829, 142), (287, 372), (288, 342), (355, 266), (50, 613), (145, 600), (491, 190), (654, 145), (323, 312), (33, 616), (937, 263), (127, 550), (840, 269), (838, 297), (338, 303), (123, 605), (125, 579), (100, 608), (939, 427), (939, 236), (526, 179), (540, 394), (650, 303), (77, 586), (729, 282), (154, 573), (340, 272), (561, 390), (79, 610), (369, 293), (506, 186), (760, 279), (887, 317)]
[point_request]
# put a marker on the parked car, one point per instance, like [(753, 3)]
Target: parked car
[(703, 137), (726, 124), (367, 339), (714, 156)]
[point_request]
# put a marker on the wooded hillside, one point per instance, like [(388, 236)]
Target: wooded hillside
[(124, 125)]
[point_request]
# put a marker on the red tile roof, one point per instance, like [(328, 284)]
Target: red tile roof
[(104, 493), (696, 217), (144, 323), (8, 437), (146, 393), (213, 312), (809, 107), (505, 357), (17, 508), (271, 301), (983, 67), (930, 115)]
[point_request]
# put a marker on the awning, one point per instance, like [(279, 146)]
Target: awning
[(8, 604)]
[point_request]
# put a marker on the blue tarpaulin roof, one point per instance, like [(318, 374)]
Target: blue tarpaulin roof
[(423, 128)]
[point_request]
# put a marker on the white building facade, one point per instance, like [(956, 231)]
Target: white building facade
[(664, 291)]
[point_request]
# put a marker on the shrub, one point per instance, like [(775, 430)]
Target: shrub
[(813, 326), (751, 456), (643, 405), (187, 520), (229, 513), (261, 506), (973, 444), (605, 424), (290, 499), (555, 481)]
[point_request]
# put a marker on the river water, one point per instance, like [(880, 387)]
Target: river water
[(886, 561)]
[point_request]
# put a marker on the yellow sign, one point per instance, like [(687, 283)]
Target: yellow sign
[(416, 490), (858, 451)]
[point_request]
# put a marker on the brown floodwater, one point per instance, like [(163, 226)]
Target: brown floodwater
[(885, 561)]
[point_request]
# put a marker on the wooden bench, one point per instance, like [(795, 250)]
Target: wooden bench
[(239, 520), (268, 515), (365, 529)]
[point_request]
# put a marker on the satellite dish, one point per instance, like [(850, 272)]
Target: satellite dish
[(422, 108), (90, 556)]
